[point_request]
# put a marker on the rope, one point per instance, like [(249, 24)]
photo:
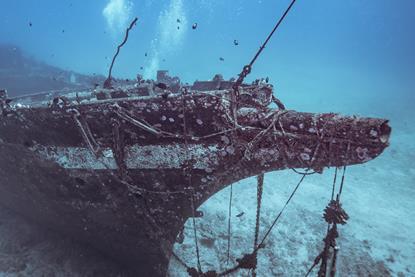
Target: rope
[(341, 184), (86, 133), (247, 68), (189, 177), (316, 261), (248, 261), (118, 110), (276, 116), (199, 267), (280, 213), (303, 173), (121, 113), (334, 184)]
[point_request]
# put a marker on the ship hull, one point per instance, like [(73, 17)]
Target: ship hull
[(124, 175)]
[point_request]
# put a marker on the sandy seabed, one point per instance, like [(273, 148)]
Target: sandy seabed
[(378, 240)]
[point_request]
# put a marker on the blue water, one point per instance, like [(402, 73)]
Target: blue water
[(351, 56), (355, 55)]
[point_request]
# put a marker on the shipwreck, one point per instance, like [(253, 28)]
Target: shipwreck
[(122, 167)]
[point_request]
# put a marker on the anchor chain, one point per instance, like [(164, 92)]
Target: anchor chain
[(260, 187)]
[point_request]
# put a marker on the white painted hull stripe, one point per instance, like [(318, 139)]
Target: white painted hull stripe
[(136, 156)]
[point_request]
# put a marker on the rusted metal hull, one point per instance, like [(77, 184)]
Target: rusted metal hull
[(126, 187)]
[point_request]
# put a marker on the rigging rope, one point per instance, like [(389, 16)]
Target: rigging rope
[(187, 170), (247, 68), (302, 173), (341, 184), (199, 267), (280, 213), (334, 183), (85, 131), (248, 261)]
